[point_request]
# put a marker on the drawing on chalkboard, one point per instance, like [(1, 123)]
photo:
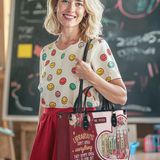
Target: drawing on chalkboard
[(129, 85), (135, 107), (107, 19), (129, 8), (34, 80), (37, 50), (33, 11), (24, 51), (144, 82), (17, 102), (150, 70), (136, 9)]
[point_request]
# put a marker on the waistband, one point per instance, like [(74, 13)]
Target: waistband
[(57, 110)]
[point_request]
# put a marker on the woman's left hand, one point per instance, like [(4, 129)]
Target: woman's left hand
[(83, 69)]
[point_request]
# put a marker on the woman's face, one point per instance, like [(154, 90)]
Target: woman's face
[(70, 13)]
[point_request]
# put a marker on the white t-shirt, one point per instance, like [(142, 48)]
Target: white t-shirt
[(59, 85)]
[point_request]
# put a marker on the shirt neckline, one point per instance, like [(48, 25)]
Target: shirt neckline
[(65, 48)]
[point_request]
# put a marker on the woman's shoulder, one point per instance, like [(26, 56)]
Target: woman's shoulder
[(97, 42), (48, 46), (46, 49)]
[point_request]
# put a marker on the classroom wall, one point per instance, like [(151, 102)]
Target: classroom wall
[(1, 94), (3, 139), (4, 152), (2, 50), (30, 135)]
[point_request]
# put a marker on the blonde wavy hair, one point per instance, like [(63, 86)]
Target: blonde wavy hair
[(90, 26)]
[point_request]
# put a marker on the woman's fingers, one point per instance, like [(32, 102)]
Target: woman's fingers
[(82, 68)]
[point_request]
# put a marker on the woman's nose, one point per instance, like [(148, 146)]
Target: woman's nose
[(71, 7)]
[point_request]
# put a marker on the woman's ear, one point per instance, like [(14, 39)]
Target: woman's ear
[(55, 9), (85, 13)]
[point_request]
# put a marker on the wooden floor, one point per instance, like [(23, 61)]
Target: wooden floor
[(140, 155)]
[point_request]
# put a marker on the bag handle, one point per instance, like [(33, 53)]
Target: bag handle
[(77, 100), (79, 105), (106, 105)]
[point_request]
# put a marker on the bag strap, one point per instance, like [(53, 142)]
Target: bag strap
[(79, 105), (106, 105)]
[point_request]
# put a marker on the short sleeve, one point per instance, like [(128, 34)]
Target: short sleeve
[(103, 62), (40, 70)]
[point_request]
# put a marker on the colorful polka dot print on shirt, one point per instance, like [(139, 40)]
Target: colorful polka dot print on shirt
[(44, 56), (52, 64), (59, 85), (63, 55), (53, 52), (88, 94)]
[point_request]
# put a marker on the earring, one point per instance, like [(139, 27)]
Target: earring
[(55, 10), (85, 17)]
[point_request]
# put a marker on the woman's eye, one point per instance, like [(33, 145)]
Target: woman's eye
[(65, 1), (79, 4)]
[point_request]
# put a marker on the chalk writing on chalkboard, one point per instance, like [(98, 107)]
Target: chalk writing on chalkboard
[(25, 32), (130, 52), (32, 11)]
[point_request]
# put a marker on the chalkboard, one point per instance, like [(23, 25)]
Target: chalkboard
[(132, 30), (27, 38)]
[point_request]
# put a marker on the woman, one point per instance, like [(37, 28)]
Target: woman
[(61, 67)]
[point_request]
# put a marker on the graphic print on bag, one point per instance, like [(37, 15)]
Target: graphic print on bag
[(101, 141)]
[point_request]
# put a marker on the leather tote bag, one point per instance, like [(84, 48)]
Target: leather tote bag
[(93, 135)]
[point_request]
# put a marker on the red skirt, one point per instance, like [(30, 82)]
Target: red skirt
[(45, 143)]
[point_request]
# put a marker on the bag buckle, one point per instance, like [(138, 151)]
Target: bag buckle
[(85, 122), (114, 119)]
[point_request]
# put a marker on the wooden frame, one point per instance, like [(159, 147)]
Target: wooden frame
[(24, 129), (11, 145), (2, 44)]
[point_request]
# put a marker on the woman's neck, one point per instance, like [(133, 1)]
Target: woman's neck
[(64, 41), (69, 35)]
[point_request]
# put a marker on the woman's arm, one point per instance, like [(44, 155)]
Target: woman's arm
[(114, 91), (41, 109)]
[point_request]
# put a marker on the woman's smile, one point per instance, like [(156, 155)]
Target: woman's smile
[(69, 17)]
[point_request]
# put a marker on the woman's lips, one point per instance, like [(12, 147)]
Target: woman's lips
[(69, 17)]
